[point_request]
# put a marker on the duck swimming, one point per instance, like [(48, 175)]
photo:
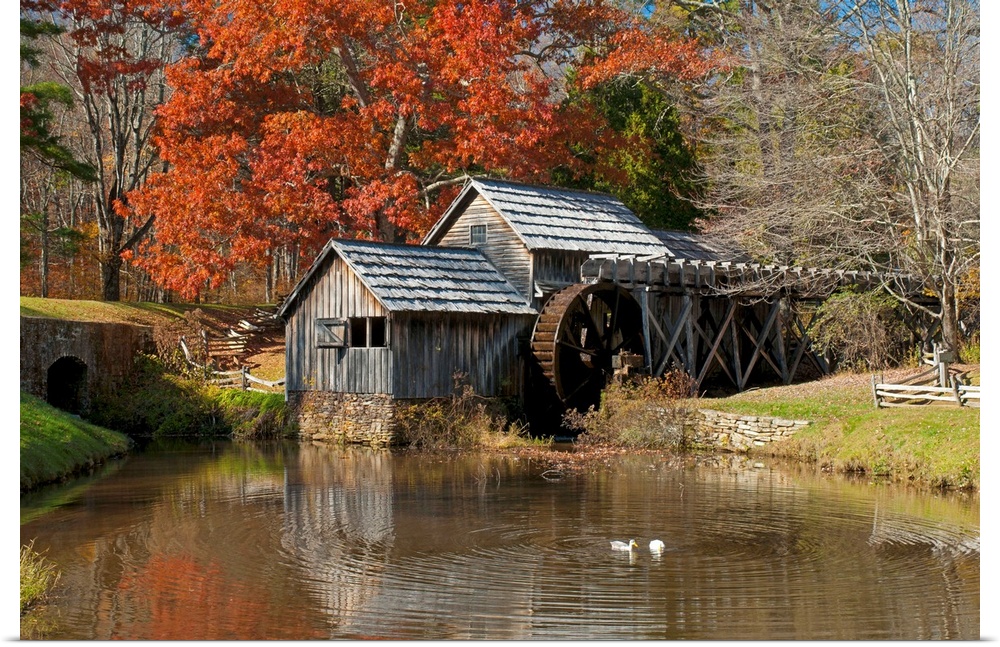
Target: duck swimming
[(621, 545), (656, 546)]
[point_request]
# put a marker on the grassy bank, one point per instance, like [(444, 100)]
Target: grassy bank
[(143, 313), (158, 403), (55, 444), (936, 446)]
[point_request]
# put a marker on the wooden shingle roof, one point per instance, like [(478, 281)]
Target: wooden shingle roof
[(699, 247), (555, 218), (412, 278)]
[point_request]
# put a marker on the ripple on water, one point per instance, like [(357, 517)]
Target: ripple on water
[(393, 549)]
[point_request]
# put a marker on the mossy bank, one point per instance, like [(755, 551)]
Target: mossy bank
[(157, 404), (56, 445)]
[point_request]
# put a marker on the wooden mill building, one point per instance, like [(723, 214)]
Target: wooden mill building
[(531, 292)]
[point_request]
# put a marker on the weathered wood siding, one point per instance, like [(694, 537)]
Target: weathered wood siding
[(429, 349), (504, 249), (336, 292), (557, 267)]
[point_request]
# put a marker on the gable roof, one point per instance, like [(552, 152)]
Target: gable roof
[(686, 246), (555, 218), (412, 278)]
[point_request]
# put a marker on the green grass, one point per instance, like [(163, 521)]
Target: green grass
[(38, 576), (930, 445), (249, 414), (55, 444), (108, 311), (159, 404)]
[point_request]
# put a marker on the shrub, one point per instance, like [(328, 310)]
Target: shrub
[(643, 413), (159, 403), (864, 331), (252, 415), (462, 420), (969, 350)]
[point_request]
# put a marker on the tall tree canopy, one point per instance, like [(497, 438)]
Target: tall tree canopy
[(659, 178), (843, 134), (44, 151), (111, 56), (294, 122)]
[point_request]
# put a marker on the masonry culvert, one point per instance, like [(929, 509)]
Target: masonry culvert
[(67, 384)]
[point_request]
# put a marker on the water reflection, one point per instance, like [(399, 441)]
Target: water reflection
[(224, 541), (338, 527)]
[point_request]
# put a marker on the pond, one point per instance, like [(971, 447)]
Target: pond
[(219, 540)]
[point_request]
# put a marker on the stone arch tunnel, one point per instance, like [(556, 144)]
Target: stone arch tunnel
[(66, 384), (68, 363)]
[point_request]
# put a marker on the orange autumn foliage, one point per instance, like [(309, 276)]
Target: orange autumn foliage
[(174, 597), (293, 122)]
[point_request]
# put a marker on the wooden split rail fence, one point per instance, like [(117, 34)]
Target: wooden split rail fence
[(238, 379), (948, 386), (243, 380), (910, 395)]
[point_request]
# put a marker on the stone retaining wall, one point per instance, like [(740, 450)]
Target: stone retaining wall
[(370, 419), (738, 432), (346, 418), (104, 353)]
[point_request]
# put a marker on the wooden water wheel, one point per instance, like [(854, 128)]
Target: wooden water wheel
[(581, 328)]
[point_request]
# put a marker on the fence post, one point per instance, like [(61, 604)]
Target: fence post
[(874, 391), (243, 377), (954, 388)]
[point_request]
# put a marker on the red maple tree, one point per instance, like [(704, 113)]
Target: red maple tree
[(292, 122)]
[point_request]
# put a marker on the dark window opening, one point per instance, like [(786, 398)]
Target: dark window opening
[(359, 332), (377, 336), (477, 235)]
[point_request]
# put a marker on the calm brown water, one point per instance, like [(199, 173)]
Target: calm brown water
[(230, 541)]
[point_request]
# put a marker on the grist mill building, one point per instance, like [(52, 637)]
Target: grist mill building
[(536, 293)]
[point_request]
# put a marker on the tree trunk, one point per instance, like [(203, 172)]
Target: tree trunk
[(44, 260), (949, 318), (111, 268)]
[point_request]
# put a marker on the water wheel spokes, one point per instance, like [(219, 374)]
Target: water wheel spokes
[(581, 328)]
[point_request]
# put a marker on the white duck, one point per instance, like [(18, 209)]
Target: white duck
[(656, 546), (621, 545)]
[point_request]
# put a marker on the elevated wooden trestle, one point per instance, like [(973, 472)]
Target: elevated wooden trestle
[(743, 322)]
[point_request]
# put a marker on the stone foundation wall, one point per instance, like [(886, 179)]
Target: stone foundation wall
[(370, 419), (346, 418), (738, 432)]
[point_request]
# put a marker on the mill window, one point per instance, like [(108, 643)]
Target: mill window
[(354, 332), (477, 235), (359, 332), (376, 332)]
